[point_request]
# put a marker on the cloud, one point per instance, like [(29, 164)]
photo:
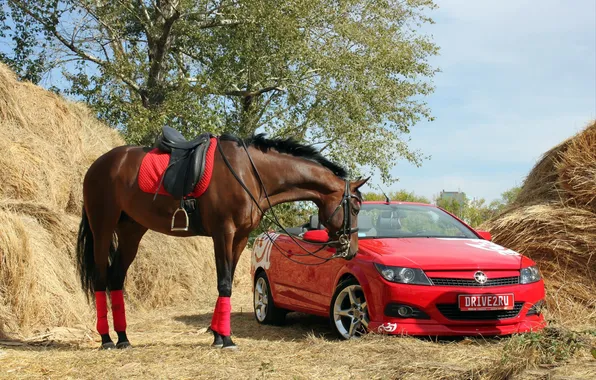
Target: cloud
[(518, 77)]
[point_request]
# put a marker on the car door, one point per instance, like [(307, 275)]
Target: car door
[(303, 281)]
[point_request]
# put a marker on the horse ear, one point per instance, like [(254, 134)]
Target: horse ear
[(358, 183)]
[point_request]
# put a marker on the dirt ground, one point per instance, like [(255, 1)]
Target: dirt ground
[(174, 343)]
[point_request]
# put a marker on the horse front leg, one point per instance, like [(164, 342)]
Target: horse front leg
[(227, 254)]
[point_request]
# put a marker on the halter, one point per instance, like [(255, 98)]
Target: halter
[(344, 233)]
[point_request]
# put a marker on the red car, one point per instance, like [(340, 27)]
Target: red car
[(419, 271)]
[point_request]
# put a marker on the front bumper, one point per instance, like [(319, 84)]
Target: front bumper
[(438, 323)]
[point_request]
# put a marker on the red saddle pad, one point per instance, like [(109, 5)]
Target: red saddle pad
[(156, 162)]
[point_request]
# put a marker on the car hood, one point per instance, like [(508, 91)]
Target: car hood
[(440, 253)]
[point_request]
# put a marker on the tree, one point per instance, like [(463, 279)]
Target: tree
[(349, 76), (476, 211), (400, 195), (508, 197), (454, 206)]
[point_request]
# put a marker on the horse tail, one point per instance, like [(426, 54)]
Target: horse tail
[(86, 256)]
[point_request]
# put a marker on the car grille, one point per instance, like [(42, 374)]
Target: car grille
[(451, 311), (465, 282)]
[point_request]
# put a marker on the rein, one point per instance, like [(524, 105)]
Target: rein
[(343, 234)]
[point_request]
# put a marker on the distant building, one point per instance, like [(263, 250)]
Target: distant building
[(459, 196), (453, 201)]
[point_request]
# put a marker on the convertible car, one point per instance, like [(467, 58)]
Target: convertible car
[(419, 271)]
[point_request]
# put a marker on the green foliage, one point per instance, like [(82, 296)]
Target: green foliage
[(348, 76), (507, 199), (477, 211), (454, 206), (548, 346), (400, 195), (28, 57), (289, 215)]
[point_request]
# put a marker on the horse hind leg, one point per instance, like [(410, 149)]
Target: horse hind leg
[(96, 243), (129, 234)]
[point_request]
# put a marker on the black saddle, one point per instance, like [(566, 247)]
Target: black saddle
[(187, 160)]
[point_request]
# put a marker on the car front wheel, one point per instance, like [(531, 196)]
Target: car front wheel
[(349, 310), (265, 310)]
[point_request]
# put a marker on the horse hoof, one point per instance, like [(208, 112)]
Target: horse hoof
[(228, 344), (217, 340), (107, 346), (123, 345)]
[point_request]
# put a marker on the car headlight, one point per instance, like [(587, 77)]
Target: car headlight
[(403, 275), (529, 275)]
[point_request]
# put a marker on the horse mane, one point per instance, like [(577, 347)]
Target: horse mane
[(289, 146)]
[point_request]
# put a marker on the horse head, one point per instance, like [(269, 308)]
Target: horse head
[(339, 214)]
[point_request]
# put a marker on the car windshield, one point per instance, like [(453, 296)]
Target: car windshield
[(404, 220)]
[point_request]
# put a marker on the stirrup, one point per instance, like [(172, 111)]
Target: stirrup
[(179, 209)]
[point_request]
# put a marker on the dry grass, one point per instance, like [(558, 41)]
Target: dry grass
[(173, 343)]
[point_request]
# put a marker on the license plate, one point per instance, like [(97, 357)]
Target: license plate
[(480, 302)]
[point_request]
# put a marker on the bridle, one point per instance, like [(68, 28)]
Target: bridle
[(344, 233)]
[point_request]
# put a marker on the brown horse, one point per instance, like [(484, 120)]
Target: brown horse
[(249, 176)]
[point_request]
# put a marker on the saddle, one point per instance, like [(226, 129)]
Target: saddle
[(185, 167), (187, 160)]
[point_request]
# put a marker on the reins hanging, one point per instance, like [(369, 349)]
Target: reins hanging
[(276, 220)]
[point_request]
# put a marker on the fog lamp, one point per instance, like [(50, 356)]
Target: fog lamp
[(405, 311)]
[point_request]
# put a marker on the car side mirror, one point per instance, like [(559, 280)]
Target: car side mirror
[(316, 236), (485, 235), (314, 223)]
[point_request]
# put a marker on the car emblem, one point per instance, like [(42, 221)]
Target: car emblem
[(480, 277)]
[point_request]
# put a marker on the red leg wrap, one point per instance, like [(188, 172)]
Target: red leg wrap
[(215, 318), (224, 309), (118, 312), (101, 307)]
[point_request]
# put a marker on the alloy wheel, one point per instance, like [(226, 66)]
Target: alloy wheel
[(350, 312)]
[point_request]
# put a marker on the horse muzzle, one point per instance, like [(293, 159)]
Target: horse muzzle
[(342, 249)]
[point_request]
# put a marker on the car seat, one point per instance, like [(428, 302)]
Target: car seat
[(388, 224)]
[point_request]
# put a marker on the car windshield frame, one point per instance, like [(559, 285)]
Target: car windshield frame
[(403, 217)]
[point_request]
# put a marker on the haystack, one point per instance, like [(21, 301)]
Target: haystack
[(554, 222), (46, 146)]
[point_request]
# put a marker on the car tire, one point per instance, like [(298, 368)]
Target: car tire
[(264, 307), (348, 313)]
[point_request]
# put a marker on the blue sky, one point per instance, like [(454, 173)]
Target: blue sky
[(518, 77)]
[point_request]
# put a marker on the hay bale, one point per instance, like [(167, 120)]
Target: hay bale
[(564, 174), (565, 235), (553, 221), (576, 169), (47, 144), (38, 281), (541, 185)]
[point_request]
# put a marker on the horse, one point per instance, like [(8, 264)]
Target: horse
[(249, 176)]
